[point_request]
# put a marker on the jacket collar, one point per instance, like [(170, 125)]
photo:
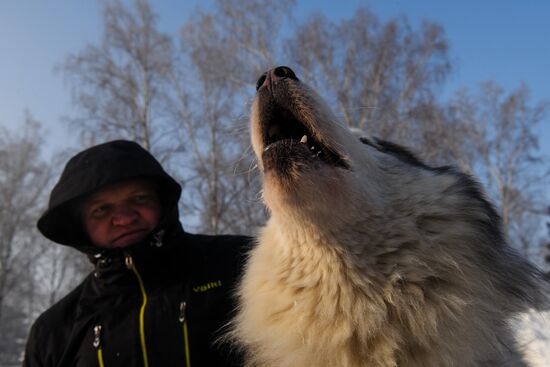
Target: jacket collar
[(152, 257)]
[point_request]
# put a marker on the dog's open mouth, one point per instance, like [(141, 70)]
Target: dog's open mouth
[(281, 129)]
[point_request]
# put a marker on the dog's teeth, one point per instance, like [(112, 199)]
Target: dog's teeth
[(304, 139), (312, 147)]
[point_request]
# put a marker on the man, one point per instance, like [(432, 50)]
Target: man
[(158, 296)]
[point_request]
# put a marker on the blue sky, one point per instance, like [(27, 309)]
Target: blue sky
[(503, 40)]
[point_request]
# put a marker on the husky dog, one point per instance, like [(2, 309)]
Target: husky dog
[(370, 257)]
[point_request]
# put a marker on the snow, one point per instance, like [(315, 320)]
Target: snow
[(533, 334)]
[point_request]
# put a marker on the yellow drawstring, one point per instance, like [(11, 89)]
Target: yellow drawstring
[(183, 320), (186, 337), (97, 344), (130, 265), (100, 357)]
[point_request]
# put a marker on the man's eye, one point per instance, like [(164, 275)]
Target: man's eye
[(99, 211), (142, 199)]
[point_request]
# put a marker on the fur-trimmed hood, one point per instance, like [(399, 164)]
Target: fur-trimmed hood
[(93, 169)]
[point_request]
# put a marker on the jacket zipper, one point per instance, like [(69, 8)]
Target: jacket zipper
[(130, 265), (183, 320), (97, 344)]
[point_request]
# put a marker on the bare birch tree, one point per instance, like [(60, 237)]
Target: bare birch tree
[(383, 78), (509, 160), (23, 179), (241, 39), (120, 84), (34, 272), (375, 72), (226, 51), (206, 119)]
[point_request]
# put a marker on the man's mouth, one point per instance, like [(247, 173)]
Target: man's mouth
[(132, 235)]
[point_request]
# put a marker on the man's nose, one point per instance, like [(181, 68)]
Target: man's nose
[(123, 215)]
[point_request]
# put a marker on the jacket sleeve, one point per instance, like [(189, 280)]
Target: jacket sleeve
[(34, 357)]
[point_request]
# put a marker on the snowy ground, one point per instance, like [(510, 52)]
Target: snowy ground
[(533, 333)]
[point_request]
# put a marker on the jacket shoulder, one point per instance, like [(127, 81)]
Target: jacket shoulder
[(225, 253), (62, 309), (219, 245), (51, 330)]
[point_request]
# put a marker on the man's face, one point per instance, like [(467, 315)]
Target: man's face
[(121, 214)]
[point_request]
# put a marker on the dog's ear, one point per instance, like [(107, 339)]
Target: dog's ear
[(401, 153), (368, 141), (357, 132), (363, 136)]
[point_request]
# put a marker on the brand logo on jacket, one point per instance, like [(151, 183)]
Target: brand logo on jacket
[(208, 286)]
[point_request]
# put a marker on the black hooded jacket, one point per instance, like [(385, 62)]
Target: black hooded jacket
[(161, 302)]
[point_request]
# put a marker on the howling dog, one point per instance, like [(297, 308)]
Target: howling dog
[(370, 257)]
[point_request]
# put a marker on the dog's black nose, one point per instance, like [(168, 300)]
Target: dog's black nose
[(273, 75)]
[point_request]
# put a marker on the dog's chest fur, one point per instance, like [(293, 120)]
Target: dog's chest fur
[(308, 304)]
